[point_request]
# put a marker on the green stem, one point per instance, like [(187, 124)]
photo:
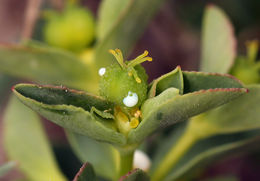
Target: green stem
[(174, 155), (126, 163)]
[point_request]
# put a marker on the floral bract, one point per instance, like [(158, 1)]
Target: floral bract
[(130, 110)]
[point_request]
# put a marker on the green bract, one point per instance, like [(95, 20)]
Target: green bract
[(174, 97)]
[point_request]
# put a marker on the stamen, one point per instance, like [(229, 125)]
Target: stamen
[(119, 52), (133, 72), (119, 57), (140, 59), (134, 122), (121, 116), (138, 114)]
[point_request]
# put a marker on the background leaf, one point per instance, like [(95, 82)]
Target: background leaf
[(102, 156), (203, 152), (26, 142), (218, 41), (109, 14), (126, 30), (45, 65)]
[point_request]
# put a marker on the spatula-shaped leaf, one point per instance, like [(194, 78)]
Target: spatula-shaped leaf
[(158, 112), (135, 175), (126, 30), (108, 15), (5, 168), (45, 65), (102, 156), (241, 114), (172, 79), (218, 41), (70, 109), (26, 142), (86, 173)]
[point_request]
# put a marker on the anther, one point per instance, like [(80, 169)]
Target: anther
[(134, 122)]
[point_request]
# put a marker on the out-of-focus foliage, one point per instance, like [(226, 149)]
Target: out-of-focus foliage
[(218, 49), (26, 142)]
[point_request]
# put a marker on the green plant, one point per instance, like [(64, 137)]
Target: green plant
[(173, 97), (104, 131), (72, 29)]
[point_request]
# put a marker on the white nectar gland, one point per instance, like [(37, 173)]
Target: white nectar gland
[(131, 99), (102, 71)]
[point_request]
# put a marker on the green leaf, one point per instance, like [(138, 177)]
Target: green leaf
[(46, 65), (109, 14), (241, 114), (179, 108), (5, 168), (209, 150), (70, 109), (126, 30), (172, 79), (218, 41), (195, 81), (135, 175), (86, 173), (102, 156), (26, 142)]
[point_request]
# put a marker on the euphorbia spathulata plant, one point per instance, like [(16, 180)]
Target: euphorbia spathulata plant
[(128, 109)]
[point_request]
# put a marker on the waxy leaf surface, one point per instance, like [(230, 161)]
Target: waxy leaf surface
[(70, 109), (195, 81), (242, 114), (159, 113)]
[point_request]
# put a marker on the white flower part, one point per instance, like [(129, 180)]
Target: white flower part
[(141, 160), (102, 71), (131, 99)]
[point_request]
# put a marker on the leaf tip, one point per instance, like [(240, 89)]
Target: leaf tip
[(81, 170), (178, 67)]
